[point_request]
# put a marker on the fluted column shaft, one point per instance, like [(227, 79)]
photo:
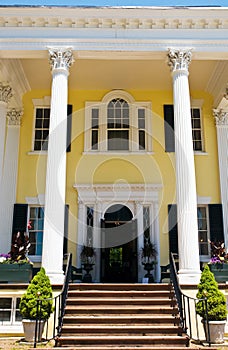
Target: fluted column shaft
[(189, 267), (9, 178), (5, 95), (52, 256), (221, 121)]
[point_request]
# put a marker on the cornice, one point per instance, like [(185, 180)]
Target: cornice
[(12, 71), (115, 18), (218, 82)]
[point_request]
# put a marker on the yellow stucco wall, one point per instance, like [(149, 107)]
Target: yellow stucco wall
[(157, 167)]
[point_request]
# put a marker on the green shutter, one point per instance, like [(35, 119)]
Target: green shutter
[(20, 218), (173, 232), (216, 222), (69, 127), (169, 128)]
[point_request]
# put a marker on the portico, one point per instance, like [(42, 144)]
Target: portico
[(120, 57)]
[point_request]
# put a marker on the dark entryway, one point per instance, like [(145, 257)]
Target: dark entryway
[(119, 246)]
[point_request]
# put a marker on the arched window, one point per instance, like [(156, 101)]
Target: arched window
[(118, 123)]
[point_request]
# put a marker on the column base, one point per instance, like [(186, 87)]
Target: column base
[(189, 276), (56, 277)]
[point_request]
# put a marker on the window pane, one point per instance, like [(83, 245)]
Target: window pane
[(141, 139), (46, 123), (38, 123), (5, 303), (94, 139), (118, 140)]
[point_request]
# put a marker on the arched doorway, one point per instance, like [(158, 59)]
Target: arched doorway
[(119, 246)]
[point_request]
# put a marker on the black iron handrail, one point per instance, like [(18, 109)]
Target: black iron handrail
[(59, 307), (187, 307)]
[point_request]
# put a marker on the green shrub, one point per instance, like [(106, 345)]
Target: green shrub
[(40, 287), (216, 301)]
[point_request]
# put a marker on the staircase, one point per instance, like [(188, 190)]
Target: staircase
[(121, 316)]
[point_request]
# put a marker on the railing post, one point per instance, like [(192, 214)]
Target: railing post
[(59, 306)]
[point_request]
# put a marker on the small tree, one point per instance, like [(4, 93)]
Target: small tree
[(216, 302), (40, 287)]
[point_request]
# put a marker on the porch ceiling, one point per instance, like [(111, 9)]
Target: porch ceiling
[(118, 74)]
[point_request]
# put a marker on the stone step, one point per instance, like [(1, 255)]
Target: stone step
[(120, 294), (117, 330), (120, 286), (120, 301), (128, 340), (120, 347), (120, 309), (122, 320)]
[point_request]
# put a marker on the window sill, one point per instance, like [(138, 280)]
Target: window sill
[(200, 153), (35, 258), (37, 153), (115, 153)]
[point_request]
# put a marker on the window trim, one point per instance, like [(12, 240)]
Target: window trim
[(133, 130), (205, 257), (197, 104), (44, 102)]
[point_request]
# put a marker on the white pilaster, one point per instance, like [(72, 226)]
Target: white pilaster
[(5, 95), (156, 238), (9, 178), (221, 120), (140, 240), (97, 240), (189, 267), (52, 256)]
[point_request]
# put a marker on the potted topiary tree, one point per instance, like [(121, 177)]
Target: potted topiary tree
[(149, 254), (39, 288), (87, 259), (215, 306)]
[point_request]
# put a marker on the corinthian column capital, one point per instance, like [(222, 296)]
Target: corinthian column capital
[(5, 93), (14, 117), (221, 117), (179, 59), (61, 58)]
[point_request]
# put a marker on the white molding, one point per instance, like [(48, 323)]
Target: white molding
[(42, 102), (39, 200), (203, 200), (28, 31), (218, 82), (145, 193), (13, 72), (114, 17)]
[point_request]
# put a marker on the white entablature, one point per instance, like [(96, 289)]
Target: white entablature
[(115, 17), (138, 29)]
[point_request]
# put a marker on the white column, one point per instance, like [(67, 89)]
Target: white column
[(52, 256), (5, 95), (221, 120), (189, 267), (140, 240), (9, 178), (156, 238), (82, 227), (97, 241)]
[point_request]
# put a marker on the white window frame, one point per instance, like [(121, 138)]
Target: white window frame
[(12, 310), (197, 104), (39, 103), (204, 258), (34, 258), (133, 131)]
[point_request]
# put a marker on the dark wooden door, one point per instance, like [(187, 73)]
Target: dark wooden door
[(119, 263)]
